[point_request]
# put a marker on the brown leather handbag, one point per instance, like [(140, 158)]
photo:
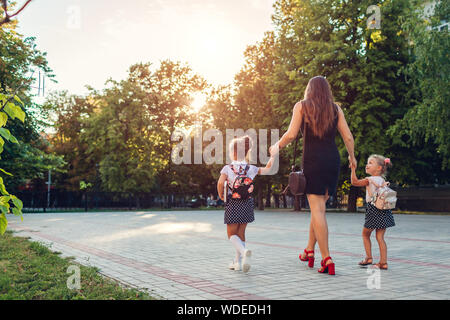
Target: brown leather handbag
[(297, 179)]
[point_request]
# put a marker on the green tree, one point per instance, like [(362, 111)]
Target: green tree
[(67, 114), (9, 108), (363, 66), (19, 64), (428, 76), (172, 86), (253, 99), (25, 157), (121, 135)]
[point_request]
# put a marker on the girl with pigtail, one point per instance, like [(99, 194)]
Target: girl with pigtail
[(235, 187), (376, 219)]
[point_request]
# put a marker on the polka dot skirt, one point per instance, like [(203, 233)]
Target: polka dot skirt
[(378, 219), (239, 211)]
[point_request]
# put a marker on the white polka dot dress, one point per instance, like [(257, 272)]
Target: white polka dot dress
[(378, 219), (239, 211)]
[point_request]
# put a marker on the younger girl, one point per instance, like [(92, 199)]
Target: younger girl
[(239, 212), (376, 219)]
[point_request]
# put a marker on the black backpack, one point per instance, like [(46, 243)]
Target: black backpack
[(242, 187)]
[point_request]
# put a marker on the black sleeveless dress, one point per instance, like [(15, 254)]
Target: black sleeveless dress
[(321, 160)]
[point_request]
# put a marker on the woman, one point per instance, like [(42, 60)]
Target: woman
[(318, 117)]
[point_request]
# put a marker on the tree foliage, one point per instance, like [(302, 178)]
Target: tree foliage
[(390, 82), (370, 72), (124, 130), (9, 109), (428, 78), (24, 153)]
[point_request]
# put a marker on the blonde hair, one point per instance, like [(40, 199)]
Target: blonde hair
[(382, 161), (246, 141)]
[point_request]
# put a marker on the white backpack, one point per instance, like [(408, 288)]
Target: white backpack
[(384, 197)]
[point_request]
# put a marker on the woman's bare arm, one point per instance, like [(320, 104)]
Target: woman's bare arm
[(347, 136), (220, 185), (292, 131)]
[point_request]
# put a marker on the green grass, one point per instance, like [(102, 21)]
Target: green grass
[(30, 271)]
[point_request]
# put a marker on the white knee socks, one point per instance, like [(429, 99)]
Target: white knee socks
[(238, 244), (238, 257)]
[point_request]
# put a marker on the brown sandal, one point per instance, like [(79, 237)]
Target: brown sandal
[(366, 262), (381, 266)]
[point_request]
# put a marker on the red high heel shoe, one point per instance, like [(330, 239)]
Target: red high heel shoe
[(308, 258), (327, 268), (382, 266)]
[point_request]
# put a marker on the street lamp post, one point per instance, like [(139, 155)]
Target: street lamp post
[(48, 183)]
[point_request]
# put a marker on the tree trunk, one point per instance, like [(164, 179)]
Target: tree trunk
[(277, 200), (169, 201), (297, 206), (260, 199), (353, 194), (284, 201), (304, 201), (268, 196), (138, 202)]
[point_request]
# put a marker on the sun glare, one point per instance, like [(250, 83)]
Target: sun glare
[(198, 102)]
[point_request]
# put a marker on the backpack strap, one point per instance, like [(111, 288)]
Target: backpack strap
[(377, 186), (296, 141), (232, 169), (247, 167), (236, 173), (384, 184)]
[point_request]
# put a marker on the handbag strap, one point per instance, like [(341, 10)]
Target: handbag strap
[(295, 146)]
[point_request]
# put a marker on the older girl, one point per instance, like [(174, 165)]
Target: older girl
[(239, 212)]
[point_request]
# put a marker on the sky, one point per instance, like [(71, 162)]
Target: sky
[(89, 41)]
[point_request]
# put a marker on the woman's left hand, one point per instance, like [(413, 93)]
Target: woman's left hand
[(352, 162)]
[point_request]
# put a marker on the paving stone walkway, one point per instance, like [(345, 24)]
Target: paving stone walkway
[(185, 254)]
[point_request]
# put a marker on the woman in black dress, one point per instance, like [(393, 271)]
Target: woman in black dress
[(319, 117)]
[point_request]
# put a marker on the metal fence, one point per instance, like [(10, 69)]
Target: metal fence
[(61, 200), (411, 199), (429, 198), (73, 200)]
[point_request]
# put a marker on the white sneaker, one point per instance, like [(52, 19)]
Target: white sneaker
[(246, 260), (234, 266)]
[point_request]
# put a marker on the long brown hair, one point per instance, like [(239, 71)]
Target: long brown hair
[(318, 106)]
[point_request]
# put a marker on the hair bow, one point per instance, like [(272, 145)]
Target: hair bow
[(387, 160)]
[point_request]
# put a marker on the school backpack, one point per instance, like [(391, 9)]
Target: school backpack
[(383, 198), (242, 187)]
